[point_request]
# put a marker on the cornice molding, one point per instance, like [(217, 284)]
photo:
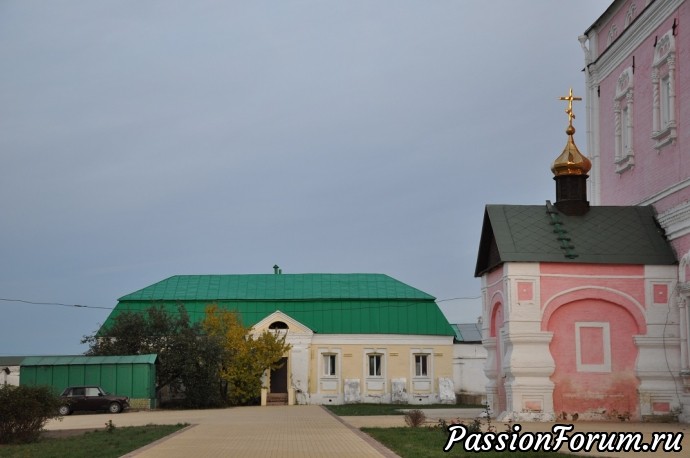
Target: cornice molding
[(632, 37), (676, 221)]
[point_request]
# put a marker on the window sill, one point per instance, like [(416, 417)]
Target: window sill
[(665, 137), (625, 163)]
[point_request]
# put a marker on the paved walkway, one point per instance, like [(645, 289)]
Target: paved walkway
[(281, 431), (311, 431)]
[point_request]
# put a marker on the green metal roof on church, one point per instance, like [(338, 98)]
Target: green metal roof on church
[(603, 235), (326, 303)]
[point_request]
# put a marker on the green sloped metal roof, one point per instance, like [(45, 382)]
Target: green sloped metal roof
[(325, 303), (80, 359), (274, 287), (603, 235), (329, 317)]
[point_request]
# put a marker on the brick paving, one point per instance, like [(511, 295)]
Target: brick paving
[(310, 431), (279, 431)]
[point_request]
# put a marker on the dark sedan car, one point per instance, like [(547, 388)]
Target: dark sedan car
[(91, 398)]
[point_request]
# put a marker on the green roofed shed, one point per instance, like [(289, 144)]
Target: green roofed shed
[(133, 376), (326, 303)]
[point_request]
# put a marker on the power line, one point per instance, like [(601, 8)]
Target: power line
[(458, 298), (56, 303), (154, 302)]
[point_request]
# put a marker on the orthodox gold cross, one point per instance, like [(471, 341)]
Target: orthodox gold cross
[(569, 111)]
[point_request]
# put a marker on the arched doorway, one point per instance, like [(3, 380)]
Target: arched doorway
[(278, 388)]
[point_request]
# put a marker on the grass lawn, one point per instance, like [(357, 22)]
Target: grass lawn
[(100, 443), (359, 410), (429, 443)]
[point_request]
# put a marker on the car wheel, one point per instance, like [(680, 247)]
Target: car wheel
[(115, 408), (64, 410)]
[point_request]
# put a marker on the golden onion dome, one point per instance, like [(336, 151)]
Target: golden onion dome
[(571, 161)]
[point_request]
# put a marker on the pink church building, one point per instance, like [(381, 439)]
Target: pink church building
[(585, 306)]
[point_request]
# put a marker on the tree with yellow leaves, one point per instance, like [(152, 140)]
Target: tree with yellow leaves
[(245, 358)]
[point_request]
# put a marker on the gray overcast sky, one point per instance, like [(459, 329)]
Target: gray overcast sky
[(144, 139)]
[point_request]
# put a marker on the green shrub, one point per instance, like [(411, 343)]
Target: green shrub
[(24, 410)]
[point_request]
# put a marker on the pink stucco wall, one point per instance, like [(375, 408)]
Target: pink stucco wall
[(587, 294), (654, 170), (658, 175), (609, 277), (610, 392)]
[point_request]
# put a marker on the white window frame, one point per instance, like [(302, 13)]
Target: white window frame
[(606, 334), (623, 122), (664, 91), (422, 384), (421, 370), (664, 108), (330, 364), (329, 382), (377, 358), (376, 382)]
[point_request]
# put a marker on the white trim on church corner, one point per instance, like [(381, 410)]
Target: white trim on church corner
[(676, 221)]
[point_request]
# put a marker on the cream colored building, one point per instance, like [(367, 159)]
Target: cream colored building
[(353, 337)]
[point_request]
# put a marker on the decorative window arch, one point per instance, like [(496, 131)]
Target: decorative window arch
[(623, 116), (664, 91)]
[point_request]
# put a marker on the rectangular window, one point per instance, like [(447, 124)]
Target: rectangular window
[(625, 133), (623, 122), (421, 365), (329, 364), (374, 365), (665, 101)]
